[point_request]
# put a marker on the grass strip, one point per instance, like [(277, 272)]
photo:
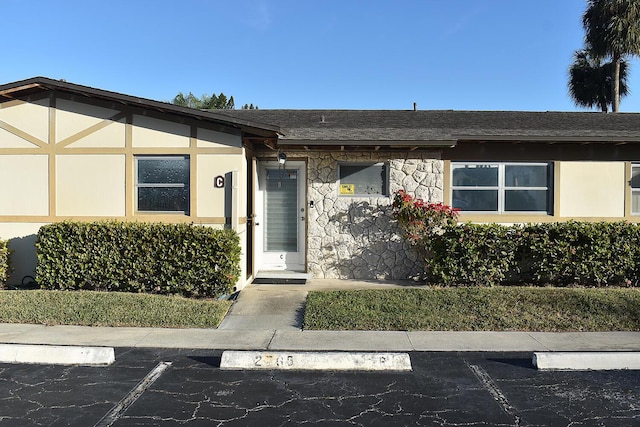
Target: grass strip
[(88, 308), (475, 309)]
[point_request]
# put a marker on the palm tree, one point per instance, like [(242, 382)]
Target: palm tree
[(612, 29), (590, 80)]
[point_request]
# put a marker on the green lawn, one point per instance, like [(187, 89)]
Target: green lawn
[(109, 309), (475, 309)]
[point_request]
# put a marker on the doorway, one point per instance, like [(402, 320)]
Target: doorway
[(280, 216)]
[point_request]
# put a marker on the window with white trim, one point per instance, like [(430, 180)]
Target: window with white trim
[(501, 187), (363, 179), (162, 184), (635, 188)]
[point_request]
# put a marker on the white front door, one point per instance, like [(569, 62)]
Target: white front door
[(280, 216)]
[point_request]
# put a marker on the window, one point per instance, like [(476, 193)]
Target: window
[(635, 188), (497, 187), (162, 184), (358, 179)]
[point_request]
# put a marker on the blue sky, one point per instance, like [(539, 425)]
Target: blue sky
[(337, 54)]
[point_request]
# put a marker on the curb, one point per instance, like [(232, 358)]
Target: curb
[(56, 355), (586, 361), (331, 361)]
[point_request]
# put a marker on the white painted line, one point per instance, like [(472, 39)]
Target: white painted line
[(486, 380), (332, 361), (116, 412), (56, 354), (586, 361)]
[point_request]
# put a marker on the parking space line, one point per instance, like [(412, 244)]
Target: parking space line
[(122, 406), (494, 390)]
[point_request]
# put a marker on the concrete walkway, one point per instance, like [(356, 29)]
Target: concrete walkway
[(268, 317)]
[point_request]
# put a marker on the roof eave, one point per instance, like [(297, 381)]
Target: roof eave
[(577, 139), (46, 84), (372, 143)]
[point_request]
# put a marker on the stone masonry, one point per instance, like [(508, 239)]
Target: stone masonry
[(356, 237)]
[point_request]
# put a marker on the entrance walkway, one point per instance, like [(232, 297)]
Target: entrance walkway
[(281, 307)]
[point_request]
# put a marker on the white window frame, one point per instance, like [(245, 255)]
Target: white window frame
[(160, 185), (385, 184), (501, 188), (634, 190)]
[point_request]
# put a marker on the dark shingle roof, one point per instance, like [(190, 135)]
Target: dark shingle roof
[(299, 126), (42, 84), (384, 127)]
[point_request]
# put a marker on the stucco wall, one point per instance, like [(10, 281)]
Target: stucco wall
[(22, 239), (31, 118), (77, 161), (212, 201), (592, 189), (356, 237), (82, 125), (25, 185), (90, 185), (151, 132)]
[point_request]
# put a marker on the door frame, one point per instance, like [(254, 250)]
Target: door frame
[(261, 262)]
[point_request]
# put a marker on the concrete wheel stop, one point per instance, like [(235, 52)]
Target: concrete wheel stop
[(330, 361), (587, 361), (56, 354)]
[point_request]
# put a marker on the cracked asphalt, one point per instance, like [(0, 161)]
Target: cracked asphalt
[(444, 389)]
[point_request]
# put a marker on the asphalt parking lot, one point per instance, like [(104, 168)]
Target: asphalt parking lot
[(158, 387)]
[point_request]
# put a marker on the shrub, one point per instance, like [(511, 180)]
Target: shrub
[(187, 260), (560, 254), (470, 254), (597, 254), (5, 266)]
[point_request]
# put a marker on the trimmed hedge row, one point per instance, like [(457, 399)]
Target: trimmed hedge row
[(169, 259), (4, 263), (560, 254)]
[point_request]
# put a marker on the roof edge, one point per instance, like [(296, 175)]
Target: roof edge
[(46, 83)]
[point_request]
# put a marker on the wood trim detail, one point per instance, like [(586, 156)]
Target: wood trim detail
[(21, 134), (92, 129)]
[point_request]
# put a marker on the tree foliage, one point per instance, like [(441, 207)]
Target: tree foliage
[(612, 30), (208, 102), (590, 80), (205, 102)]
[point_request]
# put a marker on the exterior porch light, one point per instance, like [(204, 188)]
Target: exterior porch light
[(282, 158)]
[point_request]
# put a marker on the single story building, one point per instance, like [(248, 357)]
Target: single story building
[(307, 190)]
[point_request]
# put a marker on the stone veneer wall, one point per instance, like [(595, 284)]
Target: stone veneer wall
[(356, 237)]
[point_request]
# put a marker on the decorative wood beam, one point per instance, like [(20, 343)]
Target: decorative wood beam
[(92, 129), (21, 134)]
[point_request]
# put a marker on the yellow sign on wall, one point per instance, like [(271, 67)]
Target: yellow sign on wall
[(347, 189)]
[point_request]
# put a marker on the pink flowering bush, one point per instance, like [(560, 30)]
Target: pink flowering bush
[(419, 219)]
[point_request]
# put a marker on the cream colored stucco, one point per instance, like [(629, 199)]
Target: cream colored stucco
[(25, 189), (22, 239), (592, 189), (150, 132), (214, 202), (90, 185), (111, 136), (10, 140), (32, 118), (73, 118), (211, 138)]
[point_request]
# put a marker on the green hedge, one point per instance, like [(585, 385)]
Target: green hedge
[(5, 269), (560, 254), (187, 260)]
